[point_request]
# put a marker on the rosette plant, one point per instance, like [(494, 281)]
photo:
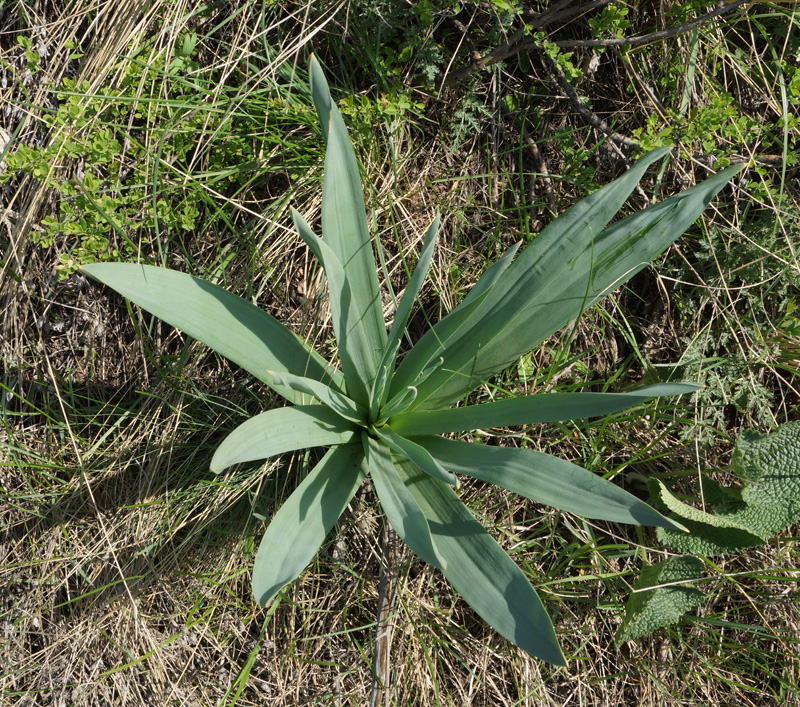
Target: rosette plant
[(387, 418)]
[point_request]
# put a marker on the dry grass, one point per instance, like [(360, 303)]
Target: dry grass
[(124, 565)]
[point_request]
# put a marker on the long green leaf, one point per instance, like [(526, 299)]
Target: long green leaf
[(344, 227), (554, 247), (231, 326), (546, 407), (417, 361), (380, 388), (303, 522), (401, 509), (416, 454), (481, 571), (492, 275), (283, 430), (344, 311), (546, 479), (568, 268), (336, 401)]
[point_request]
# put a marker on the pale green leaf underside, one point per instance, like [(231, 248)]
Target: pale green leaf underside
[(401, 509), (302, 523), (546, 407), (544, 478), (279, 431), (231, 326), (480, 570), (670, 598)]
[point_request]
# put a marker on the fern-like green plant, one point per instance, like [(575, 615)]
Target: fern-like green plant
[(386, 420)]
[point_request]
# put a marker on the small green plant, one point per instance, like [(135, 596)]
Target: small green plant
[(386, 420), (764, 504)]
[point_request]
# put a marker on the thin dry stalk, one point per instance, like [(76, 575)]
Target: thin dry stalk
[(380, 691)]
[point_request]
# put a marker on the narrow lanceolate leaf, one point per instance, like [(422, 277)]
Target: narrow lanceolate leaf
[(547, 407), (401, 509), (481, 571), (345, 313), (380, 390), (417, 363), (336, 401), (399, 403), (279, 431), (568, 267), (302, 523), (417, 455), (344, 224), (231, 326), (546, 479), (549, 255)]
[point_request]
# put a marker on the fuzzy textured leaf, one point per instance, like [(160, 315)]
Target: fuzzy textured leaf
[(651, 608), (767, 503), (709, 534)]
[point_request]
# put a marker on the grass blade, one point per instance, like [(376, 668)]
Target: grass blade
[(546, 407), (231, 326), (279, 431), (302, 523), (546, 479), (401, 509), (481, 571)]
